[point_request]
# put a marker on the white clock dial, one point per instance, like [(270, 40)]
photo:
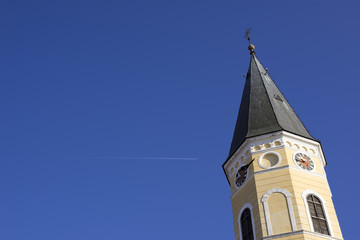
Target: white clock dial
[(241, 176), (304, 161)]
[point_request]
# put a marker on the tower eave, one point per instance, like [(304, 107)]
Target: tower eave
[(270, 133)]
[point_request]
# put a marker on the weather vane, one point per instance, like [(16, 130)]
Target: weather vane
[(251, 47), (247, 34)]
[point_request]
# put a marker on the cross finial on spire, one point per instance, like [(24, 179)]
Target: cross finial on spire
[(247, 35)]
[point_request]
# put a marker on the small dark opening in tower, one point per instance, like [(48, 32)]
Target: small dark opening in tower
[(277, 97)]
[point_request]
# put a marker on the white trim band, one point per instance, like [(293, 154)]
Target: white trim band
[(299, 232)]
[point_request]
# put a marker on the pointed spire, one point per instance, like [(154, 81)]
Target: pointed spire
[(263, 108)]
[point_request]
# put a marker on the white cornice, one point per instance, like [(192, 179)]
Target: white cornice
[(277, 236), (270, 142), (244, 150)]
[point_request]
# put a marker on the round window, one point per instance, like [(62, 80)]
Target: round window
[(269, 160)]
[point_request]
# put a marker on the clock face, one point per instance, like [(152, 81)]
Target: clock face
[(304, 161), (241, 176)]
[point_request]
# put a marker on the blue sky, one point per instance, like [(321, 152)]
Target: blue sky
[(117, 115)]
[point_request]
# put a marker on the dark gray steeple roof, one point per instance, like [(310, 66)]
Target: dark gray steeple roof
[(263, 108)]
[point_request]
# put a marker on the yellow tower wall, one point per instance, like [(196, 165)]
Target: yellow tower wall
[(277, 194), (279, 213)]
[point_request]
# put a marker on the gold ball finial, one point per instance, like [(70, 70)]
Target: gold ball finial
[(251, 48)]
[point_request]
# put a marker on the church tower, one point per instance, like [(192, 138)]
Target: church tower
[(279, 188)]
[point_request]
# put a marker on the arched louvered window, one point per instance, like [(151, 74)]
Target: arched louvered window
[(317, 215), (246, 225)]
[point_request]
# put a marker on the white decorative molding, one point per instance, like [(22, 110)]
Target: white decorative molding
[(323, 203), (287, 195), (297, 145), (271, 152), (243, 152), (308, 172), (308, 143), (266, 145), (250, 207), (271, 142), (277, 236), (267, 217)]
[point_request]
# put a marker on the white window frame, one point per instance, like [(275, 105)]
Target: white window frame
[(266, 153), (250, 207), (304, 195)]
